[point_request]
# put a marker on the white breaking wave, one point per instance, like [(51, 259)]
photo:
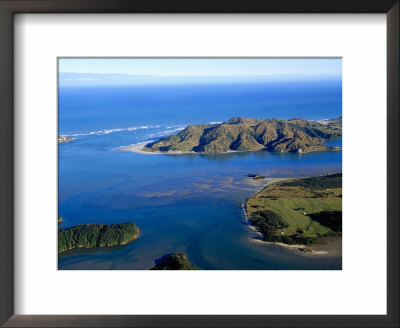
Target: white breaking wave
[(176, 126), (171, 130), (166, 132), (102, 132)]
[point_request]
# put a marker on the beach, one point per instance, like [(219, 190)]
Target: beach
[(137, 148), (328, 246)]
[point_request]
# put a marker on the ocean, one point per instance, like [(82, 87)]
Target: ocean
[(191, 202)]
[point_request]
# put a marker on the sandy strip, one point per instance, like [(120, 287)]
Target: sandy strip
[(138, 148), (328, 246), (299, 247)]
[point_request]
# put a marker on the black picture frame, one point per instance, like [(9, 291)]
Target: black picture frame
[(10, 7)]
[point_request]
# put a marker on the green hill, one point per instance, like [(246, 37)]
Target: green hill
[(175, 261), (248, 134)]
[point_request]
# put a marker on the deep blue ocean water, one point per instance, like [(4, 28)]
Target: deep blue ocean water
[(190, 202)]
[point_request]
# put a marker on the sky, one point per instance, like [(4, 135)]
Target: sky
[(202, 67), (125, 71)]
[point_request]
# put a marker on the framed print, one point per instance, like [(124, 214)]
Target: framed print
[(179, 163)]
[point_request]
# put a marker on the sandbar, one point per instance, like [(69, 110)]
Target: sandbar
[(138, 148)]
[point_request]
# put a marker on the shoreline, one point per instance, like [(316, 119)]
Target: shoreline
[(103, 247), (326, 246), (246, 215), (132, 239), (317, 249), (138, 148)]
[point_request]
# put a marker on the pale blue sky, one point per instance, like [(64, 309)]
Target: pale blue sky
[(203, 67)]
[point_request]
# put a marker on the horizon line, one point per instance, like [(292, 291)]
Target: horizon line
[(250, 75)]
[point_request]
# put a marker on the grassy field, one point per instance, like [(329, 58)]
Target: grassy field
[(296, 202)]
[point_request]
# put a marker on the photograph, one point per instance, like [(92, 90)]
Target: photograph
[(197, 148), (199, 163)]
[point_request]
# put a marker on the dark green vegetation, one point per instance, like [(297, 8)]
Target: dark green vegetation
[(92, 235), (299, 211), (268, 223), (330, 219), (247, 134), (324, 182), (175, 261)]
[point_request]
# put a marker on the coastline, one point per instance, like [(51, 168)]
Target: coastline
[(326, 245), (246, 215), (132, 239), (104, 247), (138, 148)]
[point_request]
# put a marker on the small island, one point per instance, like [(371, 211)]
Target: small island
[(255, 176), (175, 261), (63, 139), (298, 211), (247, 134), (96, 235)]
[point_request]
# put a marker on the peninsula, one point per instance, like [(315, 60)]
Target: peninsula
[(298, 211), (96, 235), (249, 134)]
